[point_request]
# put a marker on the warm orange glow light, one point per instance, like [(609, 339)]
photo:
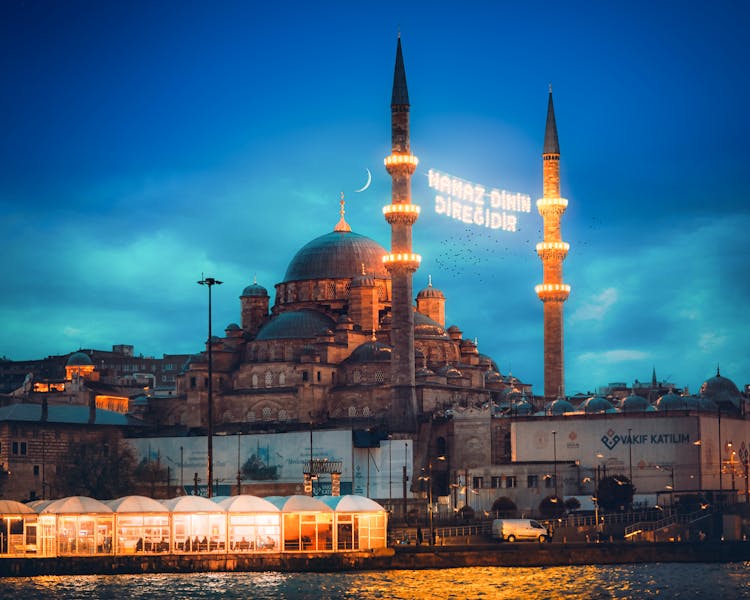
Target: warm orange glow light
[(401, 208), (402, 257), (550, 202), (542, 246), (401, 159)]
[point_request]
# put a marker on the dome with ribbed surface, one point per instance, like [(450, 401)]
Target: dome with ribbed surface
[(371, 352), (300, 324), (426, 327), (255, 291), (337, 255)]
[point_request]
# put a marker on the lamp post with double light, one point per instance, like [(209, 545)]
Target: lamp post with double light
[(210, 282)]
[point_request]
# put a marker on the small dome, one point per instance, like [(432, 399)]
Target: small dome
[(191, 504), (597, 404), (363, 281), (454, 329), (247, 504), (722, 391), (493, 377), (295, 325), (79, 359), (635, 403), (351, 503), (560, 407), (430, 292), (136, 504), (426, 327), (232, 327), (423, 372), (522, 407), (672, 401), (371, 352), (254, 291), (79, 505), (344, 320)]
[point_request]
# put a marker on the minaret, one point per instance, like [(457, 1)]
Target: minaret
[(401, 262), (552, 292)]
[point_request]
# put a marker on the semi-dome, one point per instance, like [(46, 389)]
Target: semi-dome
[(597, 404), (371, 352), (522, 407), (298, 324), (635, 403), (79, 359), (337, 255), (721, 390), (424, 326)]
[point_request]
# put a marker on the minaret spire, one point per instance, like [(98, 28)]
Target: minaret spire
[(342, 225), (552, 251), (401, 214)]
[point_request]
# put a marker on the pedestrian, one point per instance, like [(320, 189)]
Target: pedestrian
[(419, 536)]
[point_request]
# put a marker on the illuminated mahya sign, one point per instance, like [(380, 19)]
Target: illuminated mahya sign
[(474, 204)]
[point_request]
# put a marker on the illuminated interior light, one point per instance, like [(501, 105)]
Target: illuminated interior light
[(401, 159), (401, 208)]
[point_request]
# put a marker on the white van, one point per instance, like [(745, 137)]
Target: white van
[(511, 530)]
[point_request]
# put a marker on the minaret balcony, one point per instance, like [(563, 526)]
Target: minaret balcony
[(551, 206), (402, 260), (401, 213), (552, 250), (401, 164), (552, 292)]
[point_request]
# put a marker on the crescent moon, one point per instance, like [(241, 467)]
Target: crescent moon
[(369, 181)]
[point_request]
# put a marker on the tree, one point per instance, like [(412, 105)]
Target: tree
[(615, 493), (150, 472), (504, 506), (552, 507), (98, 468), (572, 504), (4, 476)]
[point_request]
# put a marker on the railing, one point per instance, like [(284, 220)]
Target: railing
[(644, 526)]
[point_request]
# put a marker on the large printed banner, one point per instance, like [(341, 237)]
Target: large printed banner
[(281, 458)]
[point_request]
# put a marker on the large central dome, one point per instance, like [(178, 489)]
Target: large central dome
[(337, 255)]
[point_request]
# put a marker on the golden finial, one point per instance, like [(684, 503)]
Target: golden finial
[(342, 225)]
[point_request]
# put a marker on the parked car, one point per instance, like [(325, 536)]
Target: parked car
[(511, 530)]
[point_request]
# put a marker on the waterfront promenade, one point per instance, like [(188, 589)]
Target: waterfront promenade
[(401, 557)]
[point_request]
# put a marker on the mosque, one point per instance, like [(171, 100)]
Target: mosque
[(345, 370)]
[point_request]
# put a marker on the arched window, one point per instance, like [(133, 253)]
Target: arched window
[(366, 411), (266, 413), (282, 378), (269, 378), (255, 380), (250, 416), (379, 376), (352, 411), (283, 415), (356, 376)]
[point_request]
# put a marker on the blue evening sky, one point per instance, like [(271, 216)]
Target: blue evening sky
[(144, 143)]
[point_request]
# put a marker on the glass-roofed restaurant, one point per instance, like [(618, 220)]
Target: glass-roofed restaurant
[(82, 526)]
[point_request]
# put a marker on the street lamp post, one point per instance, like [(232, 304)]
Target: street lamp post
[(210, 282), (554, 458), (630, 453)]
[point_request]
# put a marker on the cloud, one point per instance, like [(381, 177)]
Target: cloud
[(597, 308)]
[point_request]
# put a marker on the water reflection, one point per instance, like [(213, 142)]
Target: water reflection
[(624, 581)]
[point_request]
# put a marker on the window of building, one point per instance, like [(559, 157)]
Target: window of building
[(266, 413), (19, 448), (495, 483), (478, 483), (254, 380), (379, 376), (192, 383), (532, 481), (318, 377), (510, 481), (205, 383), (352, 411), (36, 470), (356, 376), (282, 378), (305, 376), (549, 481), (269, 378)]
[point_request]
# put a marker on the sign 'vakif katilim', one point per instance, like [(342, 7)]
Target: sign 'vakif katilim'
[(474, 204)]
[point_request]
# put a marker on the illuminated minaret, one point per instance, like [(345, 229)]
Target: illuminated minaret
[(401, 262), (552, 292)]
